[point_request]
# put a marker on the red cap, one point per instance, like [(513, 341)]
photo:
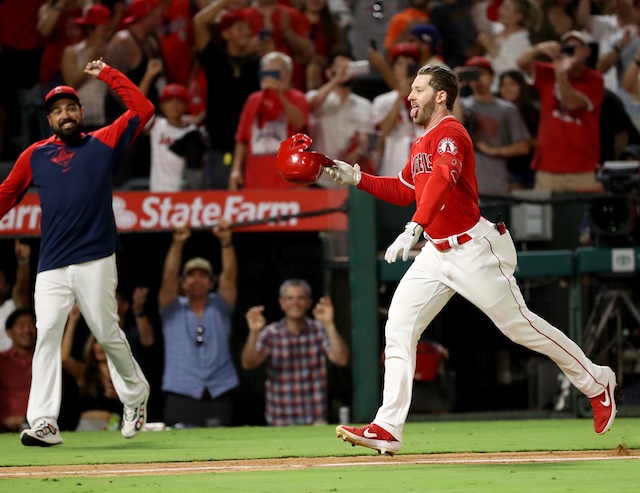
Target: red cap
[(404, 49), (229, 18), (137, 9), (175, 91), (95, 15), (60, 92), (480, 62)]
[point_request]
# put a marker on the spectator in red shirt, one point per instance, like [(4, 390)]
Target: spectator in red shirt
[(571, 95), (268, 117), (15, 370), (283, 29)]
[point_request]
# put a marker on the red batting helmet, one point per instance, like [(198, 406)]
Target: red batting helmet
[(297, 166)]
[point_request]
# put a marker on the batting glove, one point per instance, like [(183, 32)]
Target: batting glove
[(404, 242), (343, 173)]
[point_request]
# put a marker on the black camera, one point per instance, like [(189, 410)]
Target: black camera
[(568, 50), (614, 216)]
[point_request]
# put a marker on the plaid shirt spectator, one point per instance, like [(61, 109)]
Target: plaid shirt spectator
[(296, 385)]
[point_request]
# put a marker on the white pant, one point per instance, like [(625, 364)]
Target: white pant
[(482, 272), (92, 286)]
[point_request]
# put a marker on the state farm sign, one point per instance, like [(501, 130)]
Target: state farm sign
[(277, 210)]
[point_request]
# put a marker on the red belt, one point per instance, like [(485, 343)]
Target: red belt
[(446, 245)]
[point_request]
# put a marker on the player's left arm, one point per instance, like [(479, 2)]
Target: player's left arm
[(139, 108)]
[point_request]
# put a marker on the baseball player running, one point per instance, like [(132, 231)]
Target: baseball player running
[(73, 173), (465, 254)]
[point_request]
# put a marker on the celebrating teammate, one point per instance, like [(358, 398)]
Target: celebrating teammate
[(464, 254), (73, 173)]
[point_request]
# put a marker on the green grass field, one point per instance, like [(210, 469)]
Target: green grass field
[(388, 474)]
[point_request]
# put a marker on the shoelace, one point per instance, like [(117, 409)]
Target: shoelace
[(130, 413)]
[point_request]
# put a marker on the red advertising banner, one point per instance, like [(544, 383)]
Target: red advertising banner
[(304, 209)]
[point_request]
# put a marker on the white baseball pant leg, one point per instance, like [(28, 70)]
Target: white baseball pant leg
[(92, 285), (482, 272)]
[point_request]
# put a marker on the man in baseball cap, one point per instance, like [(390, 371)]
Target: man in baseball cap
[(175, 91), (95, 15), (60, 92), (479, 62), (197, 263), (138, 9)]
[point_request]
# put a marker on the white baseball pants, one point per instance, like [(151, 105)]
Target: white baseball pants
[(481, 271), (92, 285)]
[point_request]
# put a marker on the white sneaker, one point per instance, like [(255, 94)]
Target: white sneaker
[(44, 433), (134, 418)]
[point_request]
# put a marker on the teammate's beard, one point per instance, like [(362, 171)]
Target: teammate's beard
[(70, 137)]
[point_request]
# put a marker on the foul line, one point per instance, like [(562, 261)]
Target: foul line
[(185, 468)]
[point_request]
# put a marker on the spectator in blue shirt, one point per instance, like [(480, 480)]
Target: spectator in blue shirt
[(198, 372)]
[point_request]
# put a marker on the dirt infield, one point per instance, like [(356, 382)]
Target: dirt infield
[(157, 469)]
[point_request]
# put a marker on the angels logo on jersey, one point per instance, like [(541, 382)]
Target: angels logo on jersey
[(447, 145)]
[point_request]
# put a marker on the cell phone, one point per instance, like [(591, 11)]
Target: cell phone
[(358, 67), (568, 50), (269, 73), (469, 73)]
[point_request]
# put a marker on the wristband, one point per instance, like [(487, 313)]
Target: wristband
[(227, 245), (138, 314), (25, 261)]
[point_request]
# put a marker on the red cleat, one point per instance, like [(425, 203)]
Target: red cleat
[(604, 405), (370, 436)]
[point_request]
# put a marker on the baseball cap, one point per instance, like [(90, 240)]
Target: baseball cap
[(404, 49), (60, 92), (95, 15), (479, 62), (579, 35), (137, 9), (197, 263), (229, 18), (175, 91), (427, 33)]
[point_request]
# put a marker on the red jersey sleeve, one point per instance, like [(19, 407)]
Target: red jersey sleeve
[(388, 188)]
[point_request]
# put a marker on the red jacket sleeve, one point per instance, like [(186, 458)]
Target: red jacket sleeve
[(16, 184), (138, 106)]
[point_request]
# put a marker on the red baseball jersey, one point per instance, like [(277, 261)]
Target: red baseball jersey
[(459, 210), (568, 141)]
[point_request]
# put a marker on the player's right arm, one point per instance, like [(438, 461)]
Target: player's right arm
[(170, 285), (388, 188), (13, 188)]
